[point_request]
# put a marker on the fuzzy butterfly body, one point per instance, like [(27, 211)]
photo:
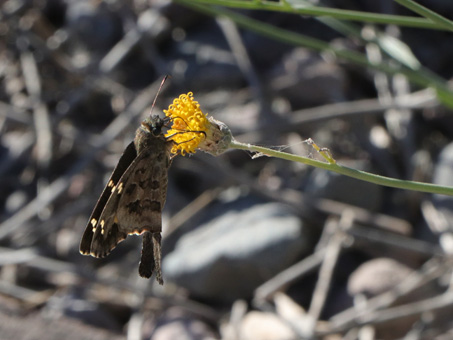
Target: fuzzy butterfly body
[(133, 199)]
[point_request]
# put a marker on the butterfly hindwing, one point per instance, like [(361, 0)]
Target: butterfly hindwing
[(125, 161), (142, 199), (142, 204)]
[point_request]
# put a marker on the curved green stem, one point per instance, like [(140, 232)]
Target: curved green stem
[(358, 174), (427, 13), (318, 11), (422, 76)]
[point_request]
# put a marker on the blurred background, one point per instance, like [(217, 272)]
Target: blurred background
[(254, 247)]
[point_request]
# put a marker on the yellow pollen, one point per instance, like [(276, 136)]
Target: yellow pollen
[(190, 125)]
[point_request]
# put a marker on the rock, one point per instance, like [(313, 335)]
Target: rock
[(382, 274), (265, 326), (442, 171), (377, 276), (229, 256), (444, 203), (176, 324)]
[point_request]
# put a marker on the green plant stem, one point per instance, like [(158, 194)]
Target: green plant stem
[(317, 11), (421, 77), (427, 13), (358, 174)]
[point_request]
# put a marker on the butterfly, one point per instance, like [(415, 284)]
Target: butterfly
[(133, 199)]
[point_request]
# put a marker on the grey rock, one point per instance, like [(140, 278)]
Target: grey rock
[(442, 176), (377, 276), (228, 257), (444, 203), (177, 324), (442, 171), (265, 326)]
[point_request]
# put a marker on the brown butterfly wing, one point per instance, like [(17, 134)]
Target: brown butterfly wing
[(133, 206), (143, 199), (125, 161), (142, 202)]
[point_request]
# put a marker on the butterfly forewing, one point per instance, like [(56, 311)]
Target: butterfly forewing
[(134, 205), (125, 161)]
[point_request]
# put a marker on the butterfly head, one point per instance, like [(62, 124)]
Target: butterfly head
[(153, 124)]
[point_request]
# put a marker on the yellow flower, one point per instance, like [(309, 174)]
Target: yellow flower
[(191, 129), (190, 125)]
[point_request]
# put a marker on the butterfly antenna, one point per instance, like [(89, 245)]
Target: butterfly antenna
[(158, 92)]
